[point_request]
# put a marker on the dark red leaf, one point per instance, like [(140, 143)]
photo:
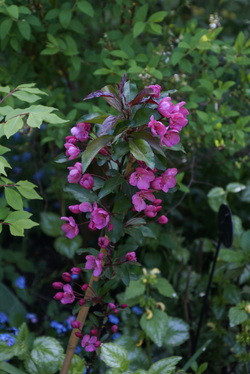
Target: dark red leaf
[(99, 93), (138, 99)]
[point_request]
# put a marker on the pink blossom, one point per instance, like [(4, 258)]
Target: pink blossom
[(99, 218), (114, 329), (170, 138), (162, 219), (166, 107), (71, 139), (76, 270), (76, 324), (68, 295), (157, 128), (138, 200), (87, 181), (57, 285), (71, 151), (177, 121), (58, 296), (152, 210), (111, 306), (81, 131), (131, 256), (85, 207), (166, 180), (75, 173), (103, 241), (156, 89), (67, 277), (93, 332), (95, 264), (84, 287), (89, 343), (141, 178), (71, 228), (157, 201), (74, 209)]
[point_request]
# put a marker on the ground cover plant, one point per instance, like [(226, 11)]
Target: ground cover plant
[(197, 54)]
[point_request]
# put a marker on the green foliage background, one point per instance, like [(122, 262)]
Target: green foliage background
[(70, 48)]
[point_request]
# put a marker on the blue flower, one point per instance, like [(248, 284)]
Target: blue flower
[(137, 310), (68, 322), (116, 336), (10, 340), (3, 318), (60, 328), (26, 156), (20, 282), (78, 349), (15, 158), (32, 317), (113, 319)]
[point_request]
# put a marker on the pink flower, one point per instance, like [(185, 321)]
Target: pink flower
[(71, 139), (71, 228), (166, 107), (67, 277), (131, 256), (103, 242), (95, 264), (85, 207), (90, 343), (111, 306), (177, 121), (71, 151), (68, 295), (87, 181), (74, 209), (170, 138), (76, 324), (152, 210), (75, 173), (162, 219), (57, 285), (58, 296), (76, 270), (166, 180), (139, 197), (157, 128), (81, 131), (114, 329), (141, 178), (156, 90), (99, 218)]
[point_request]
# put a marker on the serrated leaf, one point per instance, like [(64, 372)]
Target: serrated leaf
[(67, 247), (164, 366), (3, 164), (177, 332), (155, 327), (85, 7), (50, 224), (141, 150), (92, 149), (164, 287), (12, 126), (26, 96), (13, 198), (135, 289), (114, 356), (27, 189)]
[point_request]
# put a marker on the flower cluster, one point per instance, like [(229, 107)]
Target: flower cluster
[(80, 133)]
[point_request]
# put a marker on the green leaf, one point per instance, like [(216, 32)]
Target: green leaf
[(92, 149), (110, 185), (27, 189), (155, 327), (26, 96), (50, 224), (164, 366), (12, 126), (5, 28), (85, 7), (142, 151), (141, 13), (138, 28), (7, 352), (229, 255), (34, 120), (135, 289), (45, 356), (3, 164), (24, 28), (65, 16), (10, 303), (158, 16), (10, 369), (235, 187), (81, 194), (13, 198), (177, 332), (19, 221), (237, 316), (245, 240), (13, 11), (176, 57), (216, 197), (164, 287), (114, 356), (67, 247)]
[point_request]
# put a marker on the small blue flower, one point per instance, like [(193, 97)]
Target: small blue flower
[(116, 336), (17, 170), (60, 328), (17, 136), (75, 276), (38, 175), (20, 282), (15, 158), (10, 340), (14, 330), (78, 349), (26, 156), (137, 310), (32, 317), (68, 322), (113, 319), (3, 318)]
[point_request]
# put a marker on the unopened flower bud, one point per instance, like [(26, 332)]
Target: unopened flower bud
[(111, 305), (97, 344), (85, 287), (162, 219), (67, 277), (78, 334), (123, 306), (114, 329), (115, 311), (81, 302), (93, 332), (76, 325), (58, 296), (76, 270), (57, 285)]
